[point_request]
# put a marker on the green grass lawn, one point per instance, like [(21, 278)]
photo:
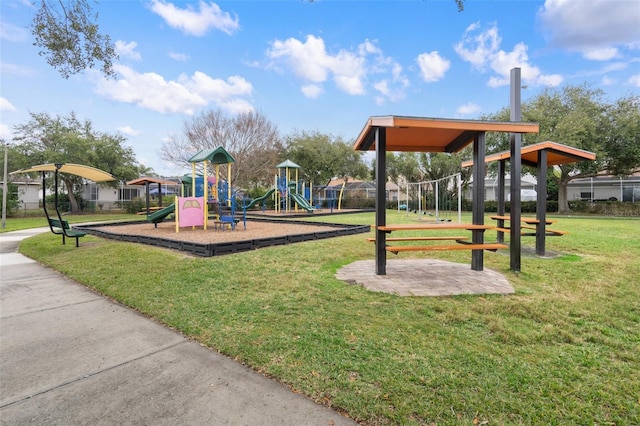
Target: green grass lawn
[(16, 224), (565, 349)]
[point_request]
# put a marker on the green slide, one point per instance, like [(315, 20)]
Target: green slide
[(260, 199), (159, 216), (299, 199)]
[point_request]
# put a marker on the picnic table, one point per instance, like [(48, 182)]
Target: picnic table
[(462, 243), (528, 222)]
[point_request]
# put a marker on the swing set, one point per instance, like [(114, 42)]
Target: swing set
[(437, 198)]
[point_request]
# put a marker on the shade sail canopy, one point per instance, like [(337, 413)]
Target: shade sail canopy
[(421, 134), (557, 154), (86, 172), (148, 180)]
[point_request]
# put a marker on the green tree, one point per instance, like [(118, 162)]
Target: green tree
[(251, 139), (68, 36), (621, 142), (580, 117), (13, 202), (67, 139), (322, 157)]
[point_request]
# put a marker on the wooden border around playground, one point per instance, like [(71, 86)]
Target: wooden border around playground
[(228, 247)]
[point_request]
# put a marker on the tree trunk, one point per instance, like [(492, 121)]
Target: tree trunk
[(73, 202), (563, 203)]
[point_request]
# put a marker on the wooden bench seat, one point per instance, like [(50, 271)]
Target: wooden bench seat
[(433, 227), (549, 231), (456, 238), (59, 227), (485, 246)]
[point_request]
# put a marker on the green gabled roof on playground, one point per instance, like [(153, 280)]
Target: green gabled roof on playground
[(287, 165), (424, 134), (217, 155)]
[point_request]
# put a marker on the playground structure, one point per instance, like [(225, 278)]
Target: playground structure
[(287, 196), (205, 194), (442, 196)]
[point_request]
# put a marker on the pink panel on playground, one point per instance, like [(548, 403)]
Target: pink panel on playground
[(191, 211)]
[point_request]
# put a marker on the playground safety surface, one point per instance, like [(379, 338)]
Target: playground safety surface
[(259, 233), (425, 277)]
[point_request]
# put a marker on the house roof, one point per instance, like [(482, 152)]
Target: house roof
[(422, 134), (557, 154)]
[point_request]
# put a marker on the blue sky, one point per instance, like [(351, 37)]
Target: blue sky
[(323, 65)]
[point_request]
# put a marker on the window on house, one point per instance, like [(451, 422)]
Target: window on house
[(128, 194), (586, 195)]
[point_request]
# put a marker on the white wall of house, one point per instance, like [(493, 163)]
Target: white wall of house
[(605, 188), (528, 185), (29, 195)]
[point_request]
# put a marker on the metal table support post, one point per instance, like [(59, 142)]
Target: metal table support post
[(541, 203), (500, 198), (516, 170), (381, 213)]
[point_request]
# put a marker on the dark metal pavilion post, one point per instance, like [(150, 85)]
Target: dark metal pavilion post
[(477, 256), (516, 170), (381, 213), (541, 203)]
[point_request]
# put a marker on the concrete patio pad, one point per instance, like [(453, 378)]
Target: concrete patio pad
[(425, 277)]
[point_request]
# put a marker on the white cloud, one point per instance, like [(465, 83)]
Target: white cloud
[(5, 105), (481, 48), (484, 44), (603, 54), (12, 32), (312, 91), (196, 23), (310, 61), (11, 69), (128, 130), (468, 109), (180, 57), (128, 50), (589, 25), (432, 66), (608, 81), (634, 80), (185, 95)]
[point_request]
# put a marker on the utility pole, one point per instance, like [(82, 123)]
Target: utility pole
[(4, 189)]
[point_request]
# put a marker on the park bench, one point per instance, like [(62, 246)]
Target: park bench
[(61, 227), (226, 217)]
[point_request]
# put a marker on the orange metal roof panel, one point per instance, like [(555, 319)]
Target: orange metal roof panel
[(422, 134), (557, 154)]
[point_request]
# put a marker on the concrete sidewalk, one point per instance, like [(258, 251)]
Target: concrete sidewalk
[(69, 356)]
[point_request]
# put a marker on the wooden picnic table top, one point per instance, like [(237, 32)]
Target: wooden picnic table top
[(433, 226), (528, 220)]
